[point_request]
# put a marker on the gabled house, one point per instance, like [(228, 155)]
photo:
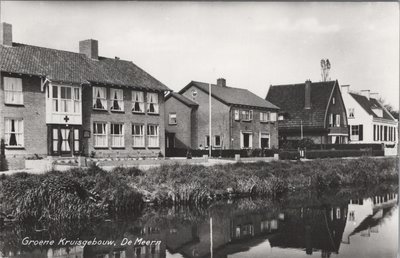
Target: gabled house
[(240, 119), (310, 110), (369, 120), (59, 103)]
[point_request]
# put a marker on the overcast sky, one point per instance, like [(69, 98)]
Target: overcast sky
[(252, 45)]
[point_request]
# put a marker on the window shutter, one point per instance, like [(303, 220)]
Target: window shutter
[(360, 133)]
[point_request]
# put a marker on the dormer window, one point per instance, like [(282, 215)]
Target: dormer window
[(351, 112), (378, 111), (99, 98)]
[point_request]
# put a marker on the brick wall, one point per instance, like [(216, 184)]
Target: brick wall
[(33, 114), (126, 117), (183, 127)]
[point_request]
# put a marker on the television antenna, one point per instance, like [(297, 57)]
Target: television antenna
[(325, 68)]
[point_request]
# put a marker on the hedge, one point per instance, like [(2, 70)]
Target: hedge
[(320, 154), (227, 153)]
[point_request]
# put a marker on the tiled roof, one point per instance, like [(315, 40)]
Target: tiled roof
[(64, 66), (233, 96), (182, 99), (290, 98), (368, 105)]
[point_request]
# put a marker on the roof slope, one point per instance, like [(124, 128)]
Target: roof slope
[(290, 98), (182, 99), (233, 96), (64, 66), (368, 105)]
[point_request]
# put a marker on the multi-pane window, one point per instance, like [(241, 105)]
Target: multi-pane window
[(351, 112), (152, 136), (100, 98), (13, 91), (354, 133), (264, 116), (100, 134), (138, 135), (138, 101), (217, 141), (247, 115), (117, 135), (117, 99), (236, 115), (172, 119), (152, 103), (14, 132), (66, 99)]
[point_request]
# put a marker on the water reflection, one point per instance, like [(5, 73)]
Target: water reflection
[(328, 225)]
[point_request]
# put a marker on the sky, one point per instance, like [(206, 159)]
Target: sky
[(251, 45)]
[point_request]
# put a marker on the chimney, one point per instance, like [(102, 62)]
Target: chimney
[(307, 95), (365, 93), (221, 82), (90, 48), (6, 34), (345, 88), (374, 95)]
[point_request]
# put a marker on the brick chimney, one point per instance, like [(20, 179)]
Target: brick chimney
[(345, 88), (307, 95), (221, 82), (6, 34), (90, 48), (365, 93)]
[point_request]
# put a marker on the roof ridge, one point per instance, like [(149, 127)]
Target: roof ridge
[(230, 87), (294, 84)]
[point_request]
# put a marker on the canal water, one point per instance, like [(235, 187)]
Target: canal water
[(340, 223)]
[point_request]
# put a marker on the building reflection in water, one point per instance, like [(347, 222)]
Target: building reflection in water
[(308, 229)]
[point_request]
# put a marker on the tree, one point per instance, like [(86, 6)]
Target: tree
[(390, 108)]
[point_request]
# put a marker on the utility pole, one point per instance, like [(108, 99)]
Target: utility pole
[(209, 107)]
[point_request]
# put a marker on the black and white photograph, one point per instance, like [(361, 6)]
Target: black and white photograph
[(209, 129)]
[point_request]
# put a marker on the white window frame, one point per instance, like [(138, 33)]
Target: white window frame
[(351, 112), (117, 140), (138, 137), (153, 140), (236, 114), (13, 93), (355, 133), (331, 120), (265, 116), (103, 136), (337, 120), (247, 115), (18, 131), (172, 116), (215, 141), (242, 133), (152, 100), (138, 97), (119, 93), (58, 103), (268, 136), (102, 97)]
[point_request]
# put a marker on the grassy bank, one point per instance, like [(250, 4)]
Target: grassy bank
[(93, 192)]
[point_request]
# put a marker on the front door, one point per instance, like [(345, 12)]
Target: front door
[(65, 140), (170, 140)]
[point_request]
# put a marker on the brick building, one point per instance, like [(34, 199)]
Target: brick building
[(240, 119), (59, 103), (310, 110)]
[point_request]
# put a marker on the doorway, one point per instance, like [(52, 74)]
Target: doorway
[(64, 140)]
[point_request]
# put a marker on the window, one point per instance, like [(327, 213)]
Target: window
[(237, 115), (77, 100), (385, 133), (100, 134), (264, 116), (66, 104), (333, 101), (152, 103), (66, 99), (99, 98), (246, 140), (117, 135), (351, 112), (338, 213), (207, 141), (264, 140), (138, 102), (374, 132), (281, 117), (217, 141), (172, 119), (354, 133), (337, 120), (152, 136), (247, 115), (330, 120), (117, 98), (13, 91), (14, 132), (138, 135)]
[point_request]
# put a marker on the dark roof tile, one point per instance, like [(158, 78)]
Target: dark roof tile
[(368, 105), (182, 99)]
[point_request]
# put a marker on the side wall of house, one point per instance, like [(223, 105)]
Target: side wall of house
[(337, 107), (220, 119), (33, 114), (127, 118), (183, 127)]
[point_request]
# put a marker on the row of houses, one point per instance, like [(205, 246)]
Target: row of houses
[(59, 103)]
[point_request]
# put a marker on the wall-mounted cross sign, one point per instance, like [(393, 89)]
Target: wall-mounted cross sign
[(66, 119)]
